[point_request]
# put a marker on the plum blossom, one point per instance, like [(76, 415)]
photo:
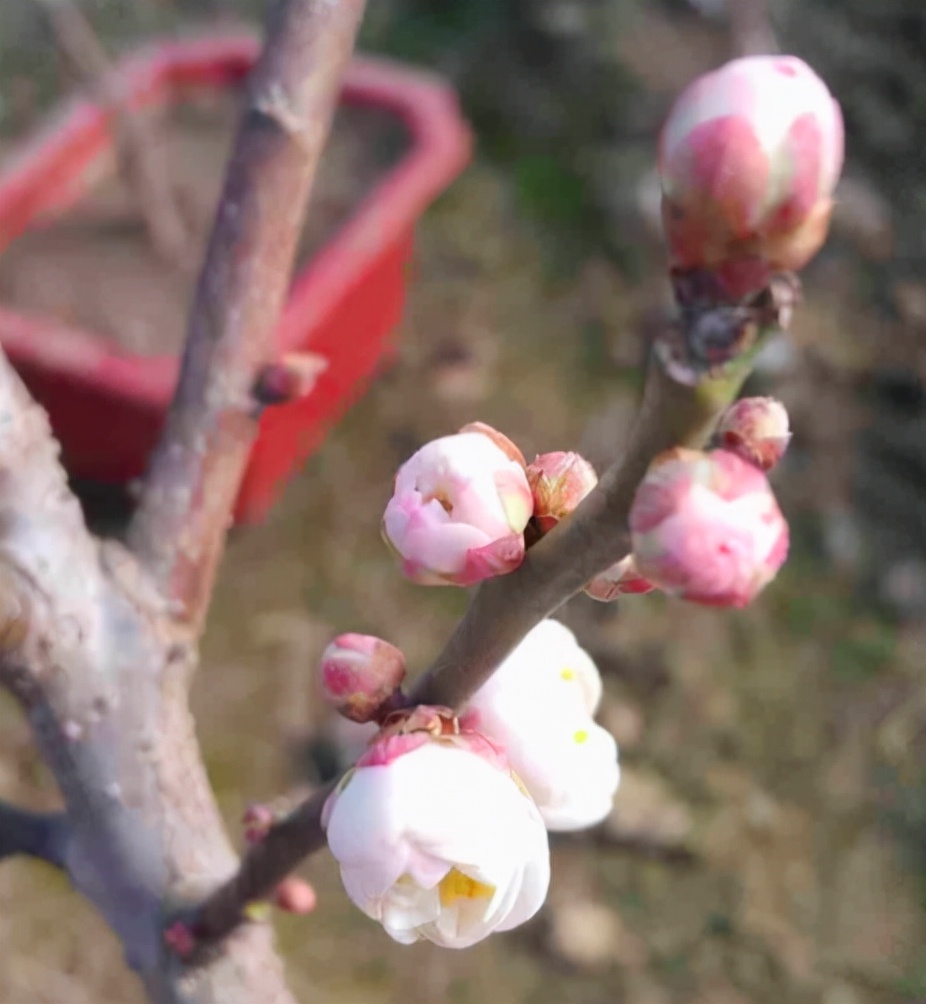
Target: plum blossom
[(748, 160), (436, 839), (539, 706), (458, 511), (706, 527)]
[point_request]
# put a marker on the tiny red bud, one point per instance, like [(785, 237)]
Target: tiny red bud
[(295, 895), (290, 379), (179, 938)]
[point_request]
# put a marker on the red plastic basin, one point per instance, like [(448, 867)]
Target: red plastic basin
[(106, 406)]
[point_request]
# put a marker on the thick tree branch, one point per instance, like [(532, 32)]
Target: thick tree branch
[(90, 641), (186, 504), (41, 835)]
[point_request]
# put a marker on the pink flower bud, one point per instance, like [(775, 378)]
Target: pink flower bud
[(756, 429), (706, 527), (360, 674), (458, 511), (748, 161), (294, 895), (621, 579), (559, 482), (257, 821), (180, 938)]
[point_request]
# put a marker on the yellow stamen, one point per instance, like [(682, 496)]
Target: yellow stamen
[(580, 737), (442, 498), (455, 885)]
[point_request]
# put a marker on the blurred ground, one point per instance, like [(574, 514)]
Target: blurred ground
[(767, 844)]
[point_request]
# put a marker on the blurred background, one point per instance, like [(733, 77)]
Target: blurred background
[(768, 843)]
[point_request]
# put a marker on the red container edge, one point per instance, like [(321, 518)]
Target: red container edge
[(107, 407)]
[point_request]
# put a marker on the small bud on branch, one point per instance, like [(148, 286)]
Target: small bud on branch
[(756, 429), (361, 675), (559, 481)]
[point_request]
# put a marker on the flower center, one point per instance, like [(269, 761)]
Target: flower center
[(442, 498), (455, 885)]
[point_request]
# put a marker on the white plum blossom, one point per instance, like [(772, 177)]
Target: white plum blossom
[(437, 841), (539, 706)]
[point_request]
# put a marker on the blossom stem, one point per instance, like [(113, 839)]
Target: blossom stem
[(263, 867), (593, 538)]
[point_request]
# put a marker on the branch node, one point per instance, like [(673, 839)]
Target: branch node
[(291, 379)]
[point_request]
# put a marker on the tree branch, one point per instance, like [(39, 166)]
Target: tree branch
[(673, 412), (186, 504), (90, 643), (595, 536), (141, 158), (263, 867), (37, 835)]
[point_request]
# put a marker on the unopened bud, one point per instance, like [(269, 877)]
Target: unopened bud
[(294, 895), (180, 938), (621, 579), (706, 527), (756, 429), (748, 160), (257, 821), (360, 675), (559, 481), (290, 379)]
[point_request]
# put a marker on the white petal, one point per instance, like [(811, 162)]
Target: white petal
[(397, 830)]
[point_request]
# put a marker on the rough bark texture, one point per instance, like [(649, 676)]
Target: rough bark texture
[(97, 643)]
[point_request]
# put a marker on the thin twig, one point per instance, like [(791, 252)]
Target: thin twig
[(185, 508), (38, 835), (142, 159), (265, 865)]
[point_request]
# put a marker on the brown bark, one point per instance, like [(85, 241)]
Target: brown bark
[(98, 643)]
